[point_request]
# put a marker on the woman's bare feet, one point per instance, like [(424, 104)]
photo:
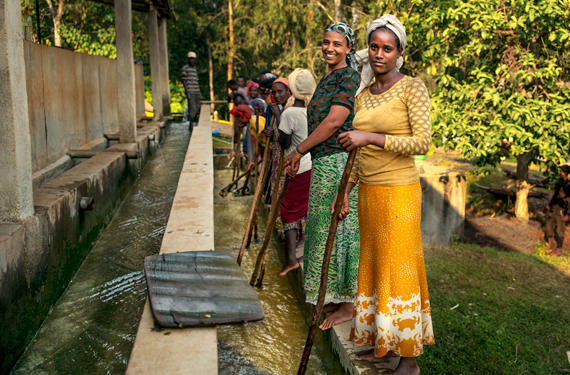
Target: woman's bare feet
[(341, 315), (407, 366), (330, 307), (365, 355), (287, 268), (369, 355)]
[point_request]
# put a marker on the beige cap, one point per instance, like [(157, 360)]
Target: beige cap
[(191, 55)]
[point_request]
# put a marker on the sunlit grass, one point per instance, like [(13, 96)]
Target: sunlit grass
[(513, 314)]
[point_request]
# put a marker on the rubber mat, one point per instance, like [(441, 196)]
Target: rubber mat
[(199, 288)]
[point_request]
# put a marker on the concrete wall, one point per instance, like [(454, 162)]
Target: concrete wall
[(72, 100), (39, 256)]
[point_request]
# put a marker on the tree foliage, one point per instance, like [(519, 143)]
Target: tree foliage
[(498, 70)]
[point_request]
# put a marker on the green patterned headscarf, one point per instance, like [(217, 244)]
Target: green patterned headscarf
[(345, 30)]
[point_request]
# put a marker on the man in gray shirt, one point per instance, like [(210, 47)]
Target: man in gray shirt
[(192, 88)]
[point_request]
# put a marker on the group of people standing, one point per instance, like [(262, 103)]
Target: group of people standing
[(377, 275)]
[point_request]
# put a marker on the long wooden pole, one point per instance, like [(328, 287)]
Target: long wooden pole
[(257, 196), (259, 270), (326, 261), (257, 146)]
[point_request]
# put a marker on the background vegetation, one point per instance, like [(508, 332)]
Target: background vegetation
[(498, 70)]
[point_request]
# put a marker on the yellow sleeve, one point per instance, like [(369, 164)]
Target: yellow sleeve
[(416, 97), (258, 133), (354, 174)]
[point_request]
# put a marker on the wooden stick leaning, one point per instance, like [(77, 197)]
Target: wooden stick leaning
[(263, 173), (326, 261), (257, 147), (237, 141), (253, 230), (259, 270)]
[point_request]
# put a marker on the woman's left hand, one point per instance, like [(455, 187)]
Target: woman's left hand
[(353, 139)]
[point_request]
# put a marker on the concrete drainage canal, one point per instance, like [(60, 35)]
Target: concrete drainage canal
[(92, 328)]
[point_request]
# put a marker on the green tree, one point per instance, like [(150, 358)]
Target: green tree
[(502, 73)]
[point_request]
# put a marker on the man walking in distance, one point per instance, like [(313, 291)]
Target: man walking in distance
[(557, 211), (192, 88)]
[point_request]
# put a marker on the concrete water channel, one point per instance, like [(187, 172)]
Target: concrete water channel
[(93, 326), (91, 329)]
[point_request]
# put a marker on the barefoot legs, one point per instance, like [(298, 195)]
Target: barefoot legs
[(407, 366), (341, 315), (291, 245)]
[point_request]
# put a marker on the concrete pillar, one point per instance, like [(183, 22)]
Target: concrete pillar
[(16, 197), (155, 63), (164, 77), (125, 72)]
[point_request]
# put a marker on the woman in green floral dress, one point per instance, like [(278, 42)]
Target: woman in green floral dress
[(329, 114)]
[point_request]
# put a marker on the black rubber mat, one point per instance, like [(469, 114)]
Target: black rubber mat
[(199, 288)]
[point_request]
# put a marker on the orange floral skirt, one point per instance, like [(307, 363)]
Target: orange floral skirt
[(392, 310)]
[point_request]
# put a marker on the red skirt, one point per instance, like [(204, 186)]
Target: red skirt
[(296, 200)]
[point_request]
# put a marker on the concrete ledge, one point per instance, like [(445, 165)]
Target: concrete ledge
[(51, 171), (190, 228)]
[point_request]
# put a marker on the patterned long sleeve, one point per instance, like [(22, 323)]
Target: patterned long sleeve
[(354, 174), (417, 99)]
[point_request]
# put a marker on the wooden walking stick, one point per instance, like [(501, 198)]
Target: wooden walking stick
[(257, 146), (259, 270), (326, 261), (257, 196)]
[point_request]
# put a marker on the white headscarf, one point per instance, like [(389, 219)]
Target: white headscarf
[(302, 85), (396, 26)]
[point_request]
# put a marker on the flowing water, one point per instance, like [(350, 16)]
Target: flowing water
[(275, 344), (92, 328)]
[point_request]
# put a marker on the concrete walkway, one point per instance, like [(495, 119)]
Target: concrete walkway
[(190, 228)]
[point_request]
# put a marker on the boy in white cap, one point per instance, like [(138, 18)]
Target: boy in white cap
[(192, 88)]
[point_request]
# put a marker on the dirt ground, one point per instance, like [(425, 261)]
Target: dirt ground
[(489, 218)]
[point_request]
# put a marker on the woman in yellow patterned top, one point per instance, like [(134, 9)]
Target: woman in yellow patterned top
[(392, 124)]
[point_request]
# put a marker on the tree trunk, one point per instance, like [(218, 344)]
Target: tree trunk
[(57, 16), (211, 74), (338, 10), (309, 38), (231, 51), (523, 187)]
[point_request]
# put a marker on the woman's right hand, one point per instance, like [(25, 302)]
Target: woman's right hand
[(344, 210), (291, 164), (268, 133)]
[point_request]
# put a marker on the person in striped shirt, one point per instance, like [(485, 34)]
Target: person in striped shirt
[(192, 87)]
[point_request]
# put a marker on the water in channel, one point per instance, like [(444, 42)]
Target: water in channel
[(274, 345), (92, 328)]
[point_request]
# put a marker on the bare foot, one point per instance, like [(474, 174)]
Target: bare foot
[(407, 366), (287, 268), (343, 314), (391, 354), (365, 355), (330, 308)]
